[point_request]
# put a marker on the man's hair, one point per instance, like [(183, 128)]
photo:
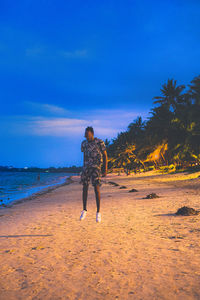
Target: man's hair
[(89, 128)]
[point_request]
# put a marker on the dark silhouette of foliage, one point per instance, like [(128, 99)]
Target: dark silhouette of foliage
[(174, 125)]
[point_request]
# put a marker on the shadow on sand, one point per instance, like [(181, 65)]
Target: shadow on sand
[(165, 215), (24, 235)]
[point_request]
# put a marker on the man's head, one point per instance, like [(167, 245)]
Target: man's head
[(89, 133)]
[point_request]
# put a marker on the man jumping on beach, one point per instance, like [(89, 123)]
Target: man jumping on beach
[(94, 156)]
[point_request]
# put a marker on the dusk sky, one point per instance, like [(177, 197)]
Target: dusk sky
[(66, 65)]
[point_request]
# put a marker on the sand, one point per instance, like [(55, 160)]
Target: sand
[(140, 250)]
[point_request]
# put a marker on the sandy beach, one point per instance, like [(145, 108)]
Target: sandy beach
[(140, 250)]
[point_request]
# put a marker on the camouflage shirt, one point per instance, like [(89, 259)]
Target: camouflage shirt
[(93, 152)]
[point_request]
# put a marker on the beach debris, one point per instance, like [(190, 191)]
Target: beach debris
[(151, 196), (9, 251), (187, 211), (113, 183), (123, 187), (176, 237), (195, 230), (133, 190), (38, 248)]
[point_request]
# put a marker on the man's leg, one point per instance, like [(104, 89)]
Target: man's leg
[(85, 193), (96, 182), (97, 194), (85, 182)]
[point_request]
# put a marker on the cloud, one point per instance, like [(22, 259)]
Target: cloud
[(107, 123), (45, 126), (70, 127), (116, 118), (45, 107), (58, 126)]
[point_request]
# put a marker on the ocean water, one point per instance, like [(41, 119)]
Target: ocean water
[(18, 185)]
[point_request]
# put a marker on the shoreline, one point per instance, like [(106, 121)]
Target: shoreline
[(184, 175), (43, 191)]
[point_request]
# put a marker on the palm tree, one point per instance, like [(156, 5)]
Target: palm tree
[(124, 158), (175, 123), (171, 94), (194, 90), (158, 155), (158, 126), (107, 142), (194, 93), (135, 130)]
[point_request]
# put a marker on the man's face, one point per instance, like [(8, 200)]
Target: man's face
[(89, 135)]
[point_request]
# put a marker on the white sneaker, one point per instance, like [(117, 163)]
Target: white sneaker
[(98, 217), (83, 214)]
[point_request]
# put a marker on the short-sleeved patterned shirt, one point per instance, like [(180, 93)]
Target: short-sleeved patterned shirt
[(93, 152)]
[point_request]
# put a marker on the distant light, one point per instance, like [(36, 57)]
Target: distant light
[(25, 167)]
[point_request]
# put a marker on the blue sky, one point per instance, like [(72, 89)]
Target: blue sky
[(65, 65)]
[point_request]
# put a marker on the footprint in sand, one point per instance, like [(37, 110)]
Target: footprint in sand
[(19, 270), (24, 285)]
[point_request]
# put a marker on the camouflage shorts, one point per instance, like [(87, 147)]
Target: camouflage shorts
[(91, 173)]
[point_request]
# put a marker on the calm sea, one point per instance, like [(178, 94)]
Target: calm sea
[(18, 185)]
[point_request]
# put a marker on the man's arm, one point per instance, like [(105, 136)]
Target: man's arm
[(105, 163), (82, 150)]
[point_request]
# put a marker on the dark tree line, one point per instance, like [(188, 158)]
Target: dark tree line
[(171, 135)]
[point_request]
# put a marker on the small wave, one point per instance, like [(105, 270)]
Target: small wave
[(20, 186)]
